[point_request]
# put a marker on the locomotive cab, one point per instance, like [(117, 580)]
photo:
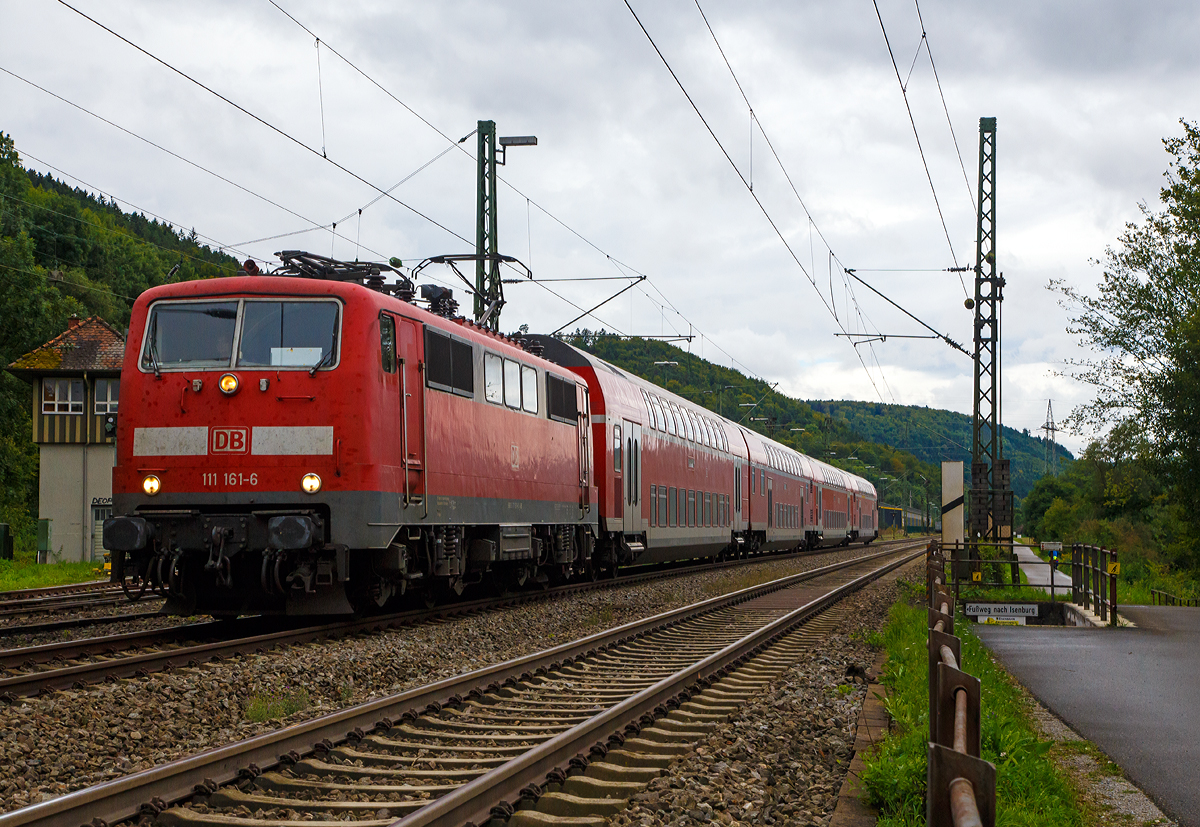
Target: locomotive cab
[(223, 465)]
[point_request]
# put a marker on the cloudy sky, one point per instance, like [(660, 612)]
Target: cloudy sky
[(626, 177)]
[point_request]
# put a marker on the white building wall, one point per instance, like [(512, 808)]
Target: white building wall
[(65, 496)]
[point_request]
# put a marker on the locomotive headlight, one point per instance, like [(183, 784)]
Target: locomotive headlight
[(310, 483), (151, 484), (228, 384)]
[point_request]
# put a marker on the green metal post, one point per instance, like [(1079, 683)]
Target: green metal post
[(487, 267)]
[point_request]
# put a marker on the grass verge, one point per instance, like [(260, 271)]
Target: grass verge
[(27, 574), (1030, 790)]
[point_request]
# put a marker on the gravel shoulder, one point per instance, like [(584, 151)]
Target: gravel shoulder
[(66, 741)]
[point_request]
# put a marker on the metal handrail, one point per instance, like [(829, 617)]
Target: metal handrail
[(1094, 571), (961, 788), (1161, 598)]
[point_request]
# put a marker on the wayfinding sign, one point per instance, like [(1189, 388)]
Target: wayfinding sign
[(1012, 614)]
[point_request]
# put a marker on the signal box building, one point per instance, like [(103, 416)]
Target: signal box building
[(76, 380)]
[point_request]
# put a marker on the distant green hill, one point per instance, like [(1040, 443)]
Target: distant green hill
[(899, 448), (935, 435)]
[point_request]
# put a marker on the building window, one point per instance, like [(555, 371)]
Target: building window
[(107, 391), (60, 396)]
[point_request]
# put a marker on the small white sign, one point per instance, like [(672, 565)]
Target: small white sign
[(1051, 546), (1002, 609)]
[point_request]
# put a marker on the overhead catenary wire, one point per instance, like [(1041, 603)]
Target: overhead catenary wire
[(219, 247), (279, 131), (315, 224), (757, 200), (456, 143), (945, 108), (917, 137), (125, 234)]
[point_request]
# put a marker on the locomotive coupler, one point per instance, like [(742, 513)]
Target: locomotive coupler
[(217, 561)]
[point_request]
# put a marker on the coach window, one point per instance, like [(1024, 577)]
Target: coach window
[(493, 378), (649, 410), (673, 506), (691, 507), (656, 408), (449, 363), (753, 481), (662, 505), (669, 417), (617, 448), (653, 505), (387, 343)]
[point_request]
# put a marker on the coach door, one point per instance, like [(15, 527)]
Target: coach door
[(412, 409), (633, 477)]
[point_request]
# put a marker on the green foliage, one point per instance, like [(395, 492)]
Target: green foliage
[(1029, 789), (934, 436), (1143, 329), (273, 707), (65, 252)]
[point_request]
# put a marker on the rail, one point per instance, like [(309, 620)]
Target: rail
[(961, 786), (1162, 598), (1094, 571)]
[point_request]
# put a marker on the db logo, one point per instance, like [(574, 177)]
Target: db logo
[(229, 441)]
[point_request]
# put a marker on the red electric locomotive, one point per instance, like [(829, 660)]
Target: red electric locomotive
[(312, 445), (313, 442)]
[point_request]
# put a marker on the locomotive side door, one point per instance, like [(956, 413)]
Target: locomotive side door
[(633, 477), (410, 343)]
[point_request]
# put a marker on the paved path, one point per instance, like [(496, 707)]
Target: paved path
[(1135, 693), (1037, 572)]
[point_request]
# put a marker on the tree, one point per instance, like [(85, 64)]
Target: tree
[(1144, 328)]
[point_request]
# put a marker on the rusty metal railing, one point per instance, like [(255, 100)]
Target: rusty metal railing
[(1094, 571), (961, 786), (1162, 598)]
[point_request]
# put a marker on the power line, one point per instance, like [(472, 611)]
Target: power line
[(757, 201), (123, 234), (945, 108), (457, 144), (264, 122), (131, 205), (917, 136), (162, 148), (50, 278)]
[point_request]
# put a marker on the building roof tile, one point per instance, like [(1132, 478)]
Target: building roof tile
[(90, 344)]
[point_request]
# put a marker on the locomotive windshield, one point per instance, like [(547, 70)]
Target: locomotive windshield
[(298, 334)]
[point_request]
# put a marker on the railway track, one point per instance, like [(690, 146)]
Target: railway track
[(53, 591), (75, 664), (573, 730)]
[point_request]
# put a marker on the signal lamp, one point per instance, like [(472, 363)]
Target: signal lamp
[(228, 384), (310, 483), (151, 484)]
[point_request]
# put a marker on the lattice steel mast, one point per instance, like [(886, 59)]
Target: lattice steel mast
[(488, 291), (1050, 455), (991, 494)]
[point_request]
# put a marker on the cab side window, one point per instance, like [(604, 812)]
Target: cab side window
[(387, 343)]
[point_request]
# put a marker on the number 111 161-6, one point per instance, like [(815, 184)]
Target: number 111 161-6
[(228, 478)]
